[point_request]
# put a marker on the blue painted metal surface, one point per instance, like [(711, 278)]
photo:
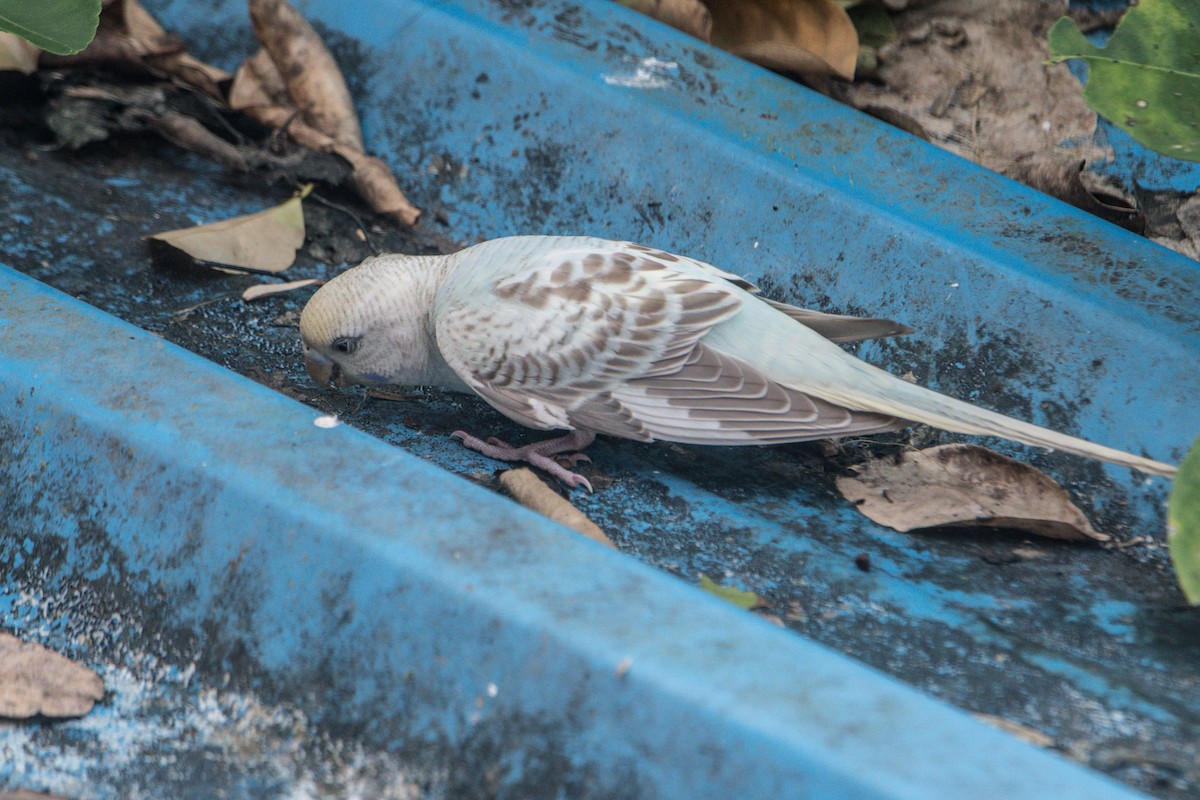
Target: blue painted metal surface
[(423, 612), (583, 118)]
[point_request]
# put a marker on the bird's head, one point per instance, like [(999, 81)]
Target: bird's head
[(368, 324)]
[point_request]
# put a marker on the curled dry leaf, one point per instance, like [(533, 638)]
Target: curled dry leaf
[(265, 241), (531, 491), (195, 73), (257, 83), (259, 90), (964, 485), (371, 178), (804, 36), (35, 680), (188, 133), (1061, 175), (689, 16), (261, 290), (313, 79), (16, 54), (313, 105)]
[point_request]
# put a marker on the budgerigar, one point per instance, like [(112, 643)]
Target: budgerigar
[(594, 336)]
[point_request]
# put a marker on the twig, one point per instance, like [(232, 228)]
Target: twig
[(182, 314), (358, 221)]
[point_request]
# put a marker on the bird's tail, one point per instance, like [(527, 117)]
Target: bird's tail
[(908, 401)]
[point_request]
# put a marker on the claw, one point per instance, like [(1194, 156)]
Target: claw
[(538, 454)]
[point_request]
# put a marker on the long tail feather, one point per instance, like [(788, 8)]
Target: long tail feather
[(909, 401)]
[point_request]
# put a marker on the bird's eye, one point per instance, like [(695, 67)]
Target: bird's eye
[(346, 344)]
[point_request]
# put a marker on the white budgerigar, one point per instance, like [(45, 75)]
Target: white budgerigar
[(595, 336)]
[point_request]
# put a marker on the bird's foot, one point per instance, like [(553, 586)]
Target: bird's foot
[(539, 454)]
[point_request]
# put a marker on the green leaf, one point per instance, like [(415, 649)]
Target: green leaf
[(746, 600), (60, 26), (1146, 80), (1183, 525)]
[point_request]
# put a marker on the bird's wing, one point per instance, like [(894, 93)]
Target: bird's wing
[(834, 327), (572, 323), (715, 398), (608, 339)]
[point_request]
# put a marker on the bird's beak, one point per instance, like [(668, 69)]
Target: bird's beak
[(323, 371)]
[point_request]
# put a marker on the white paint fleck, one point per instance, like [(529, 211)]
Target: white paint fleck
[(326, 421), (493, 690), (650, 73)]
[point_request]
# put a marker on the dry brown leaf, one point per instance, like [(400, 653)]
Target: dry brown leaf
[(25, 794), (188, 133), (964, 485), (261, 290), (371, 177), (530, 491), (35, 680), (314, 81), (264, 241), (1186, 224), (258, 90), (17, 55), (805, 36), (374, 181), (194, 72), (257, 83), (1061, 175), (689, 16), (314, 108)]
